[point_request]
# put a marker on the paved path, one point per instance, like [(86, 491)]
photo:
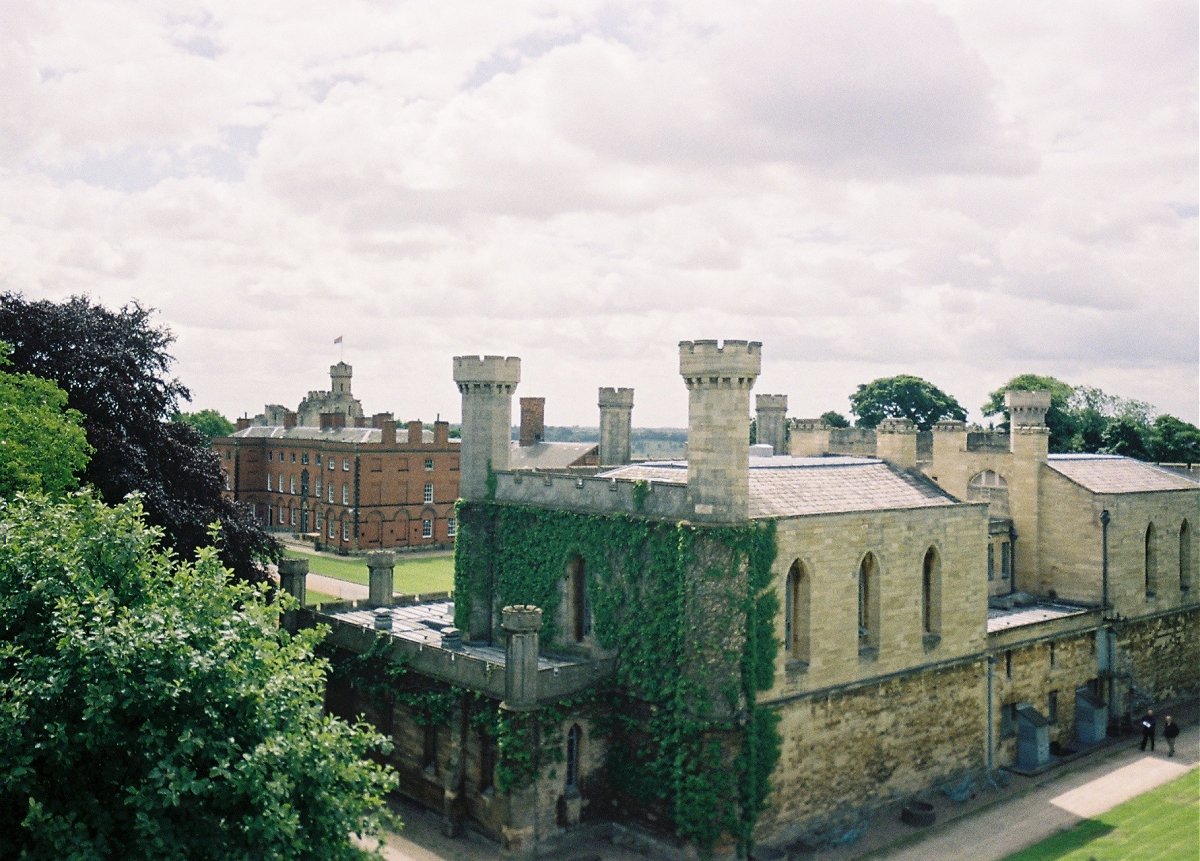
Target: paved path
[(333, 586)]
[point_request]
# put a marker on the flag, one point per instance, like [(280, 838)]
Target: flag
[(338, 339)]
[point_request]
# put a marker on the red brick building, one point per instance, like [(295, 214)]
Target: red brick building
[(363, 487)]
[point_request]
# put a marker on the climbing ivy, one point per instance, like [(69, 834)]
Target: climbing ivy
[(689, 612)]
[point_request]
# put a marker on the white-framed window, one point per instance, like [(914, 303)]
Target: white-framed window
[(345, 531), (332, 465), (428, 464), (317, 522), (345, 493), (292, 485), (270, 455), (429, 491), (345, 464), (304, 457), (329, 497), (282, 518), (280, 485), (451, 527), (426, 528), (318, 460), (294, 517), (269, 482), (318, 485), (293, 457), (332, 529)]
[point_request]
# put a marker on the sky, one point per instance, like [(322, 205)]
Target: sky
[(960, 190)]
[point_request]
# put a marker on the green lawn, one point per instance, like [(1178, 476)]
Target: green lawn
[(414, 575), (1161, 825)]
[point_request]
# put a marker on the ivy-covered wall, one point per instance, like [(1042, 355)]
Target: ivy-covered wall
[(690, 614)]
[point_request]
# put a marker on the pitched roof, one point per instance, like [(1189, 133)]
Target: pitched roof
[(1108, 473), (548, 455), (351, 435), (795, 486)]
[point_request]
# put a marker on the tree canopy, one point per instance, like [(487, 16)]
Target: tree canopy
[(1088, 419), (152, 708), (209, 423), (114, 367), (42, 443), (903, 396)]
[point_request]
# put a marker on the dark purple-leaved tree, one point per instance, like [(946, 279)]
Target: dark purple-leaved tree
[(115, 368)]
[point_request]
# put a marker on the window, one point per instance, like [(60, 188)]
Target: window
[(227, 484), (332, 465), (991, 562), (293, 515), (1185, 557), (345, 531), (1005, 560), (345, 493), (488, 755), (329, 497), (1053, 655), (796, 624), (332, 529), (318, 485), (270, 455), (317, 522), (931, 592), (429, 758), (293, 457), (451, 527), (269, 482), (1008, 665), (304, 457), (1151, 562), (1052, 706), (292, 485), (428, 464), (345, 464), (282, 521), (429, 491), (574, 738), (318, 460), (426, 528), (868, 603)]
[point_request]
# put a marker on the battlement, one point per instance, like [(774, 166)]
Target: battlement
[(593, 495), (770, 402), (1027, 409), (521, 618), (483, 370), (895, 425), (613, 397), (950, 426), (701, 360)]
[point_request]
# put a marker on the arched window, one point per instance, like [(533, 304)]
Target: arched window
[(578, 619), (1151, 566), (797, 622), (574, 741), (1185, 556), (990, 487), (868, 603), (931, 592)]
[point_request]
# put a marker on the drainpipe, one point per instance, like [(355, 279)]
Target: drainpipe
[(991, 671), (1012, 559), (1105, 518)]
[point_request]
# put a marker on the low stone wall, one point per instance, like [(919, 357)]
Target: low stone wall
[(592, 495)]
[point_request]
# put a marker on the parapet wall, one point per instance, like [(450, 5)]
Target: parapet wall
[(593, 495)]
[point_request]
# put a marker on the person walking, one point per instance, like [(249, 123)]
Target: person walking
[(1149, 723), (1170, 733)]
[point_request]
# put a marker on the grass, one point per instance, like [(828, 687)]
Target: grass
[(414, 574), (1160, 825), (312, 596)]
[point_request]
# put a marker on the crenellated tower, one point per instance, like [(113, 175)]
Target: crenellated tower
[(487, 384), (1029, 441), (616, 423), (770, 421), (719, 378)]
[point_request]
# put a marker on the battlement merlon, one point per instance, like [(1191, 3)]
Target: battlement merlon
[(705, 359), (770, 402), (950, 426), (487, 370), (615, 398), (817, 424), (1027, 409), (896, 425)]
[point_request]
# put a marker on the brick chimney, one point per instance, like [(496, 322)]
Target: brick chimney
[(387, 432), (441, 433), (416, 432), (533, 420), (289, 420)]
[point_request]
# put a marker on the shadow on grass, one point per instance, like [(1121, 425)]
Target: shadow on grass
[(1066, 843)]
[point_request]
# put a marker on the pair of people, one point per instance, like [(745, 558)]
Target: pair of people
[(1150, 725)]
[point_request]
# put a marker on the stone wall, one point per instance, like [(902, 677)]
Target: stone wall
[(848, 752), (1160, 655)]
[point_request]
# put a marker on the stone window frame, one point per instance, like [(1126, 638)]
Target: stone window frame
[(931, 597), (868, 619), (576, 604), (1150, 561), (797, 599)]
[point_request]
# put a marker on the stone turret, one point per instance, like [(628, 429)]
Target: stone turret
[(521, 623), (896, 442), (1029, 442), (770, 421), (719, 379), (487, 384), (616, 414), (339, 379)]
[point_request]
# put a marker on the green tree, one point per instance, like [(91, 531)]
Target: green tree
[(1174, 441), (1126, 435), (152, 708), (210, 423), (42, 443), (835, 419), (903, 396), (114, 367), (1059, 418)]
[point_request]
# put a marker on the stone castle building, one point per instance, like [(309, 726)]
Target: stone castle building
[(765, 645)]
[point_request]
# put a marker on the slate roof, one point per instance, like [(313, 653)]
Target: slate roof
[(548, 455), (1002, 620), (1108, 473), (796, 486), (350, 435)]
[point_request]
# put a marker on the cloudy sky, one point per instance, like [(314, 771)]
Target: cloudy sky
[(955, 189)]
